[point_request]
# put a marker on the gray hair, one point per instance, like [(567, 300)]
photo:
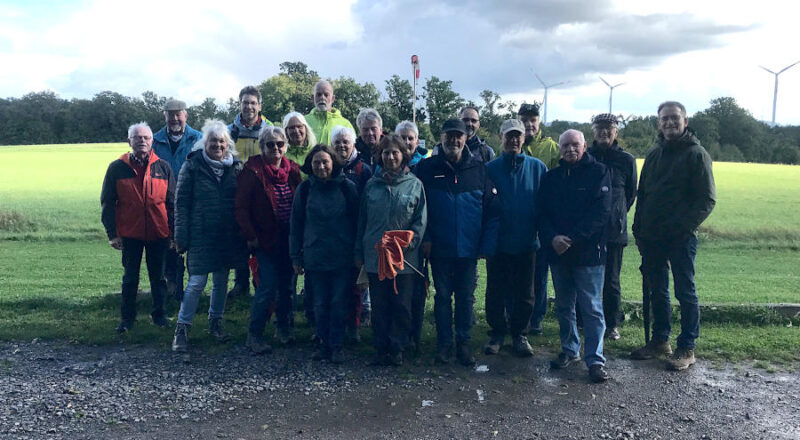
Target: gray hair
[(311, 139), (132, 129), (672, 104), (272, 132), (406, 126), (368, 114), (572, 131), (216, 129), (342, 131), (323, 82)]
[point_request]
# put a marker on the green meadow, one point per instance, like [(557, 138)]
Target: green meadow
[(59, 278)]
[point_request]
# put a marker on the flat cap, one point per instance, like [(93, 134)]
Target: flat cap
[(512, 125), (174, 105), (605, 118), (454, 125)]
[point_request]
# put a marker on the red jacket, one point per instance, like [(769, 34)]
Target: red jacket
[(142, 212), (255, 204)]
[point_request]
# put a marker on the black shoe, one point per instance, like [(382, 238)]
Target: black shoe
[(160, 321), (124, 326), (395, 359), (320, 353), (464, 354), (442, 356), (239, 290), (378, 360), (180, 342), (493, 346), (337, 356), (598, 373), (563, 361)]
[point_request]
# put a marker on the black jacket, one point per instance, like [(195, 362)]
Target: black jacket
[(575, 201), (676, 190), (622, 166), (205, 224)]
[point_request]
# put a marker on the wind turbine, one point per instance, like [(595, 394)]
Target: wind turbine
[(775, 94), (544, 103), (610, 92)]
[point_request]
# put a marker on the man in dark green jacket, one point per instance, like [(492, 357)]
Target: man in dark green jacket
[(676, 194)]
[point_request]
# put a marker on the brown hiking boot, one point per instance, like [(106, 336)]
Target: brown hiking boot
[(652, 349), (681, 360)]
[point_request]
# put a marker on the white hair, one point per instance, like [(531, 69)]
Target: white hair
[(217, 129), (406, 126), (272, 132), (342, 131), (368, 114), (132, 129), (572, 131), (311, 139)]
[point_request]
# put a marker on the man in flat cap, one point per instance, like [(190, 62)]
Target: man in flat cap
[(173, 143), (623, 192), (545, 149), (510, 271)]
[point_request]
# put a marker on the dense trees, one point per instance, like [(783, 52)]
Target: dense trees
[(728, 131)]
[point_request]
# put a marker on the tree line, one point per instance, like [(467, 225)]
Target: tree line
[(729, 132)]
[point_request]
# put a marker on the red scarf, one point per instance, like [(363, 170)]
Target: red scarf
[(280, 175)]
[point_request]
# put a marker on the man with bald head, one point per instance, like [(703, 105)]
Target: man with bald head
[(323, 117), (575, 203)]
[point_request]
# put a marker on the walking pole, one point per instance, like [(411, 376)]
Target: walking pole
[(645, 304)]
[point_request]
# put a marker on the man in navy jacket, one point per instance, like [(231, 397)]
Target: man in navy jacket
[(575, 202), (173, 143), (462, 227)]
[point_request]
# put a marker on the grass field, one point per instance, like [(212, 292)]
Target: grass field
[(58, 275)]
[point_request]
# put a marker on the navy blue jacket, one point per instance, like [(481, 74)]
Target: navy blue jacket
[(357, 172), (463, 210), (518, 179), (622, 166), (575, 200)]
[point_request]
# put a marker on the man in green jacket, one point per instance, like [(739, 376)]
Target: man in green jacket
[(546, 150), (676, 194), (323, 116)]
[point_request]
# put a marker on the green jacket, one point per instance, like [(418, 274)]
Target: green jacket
[(388, 206), (544, 149), (676, 190), (323, 122)]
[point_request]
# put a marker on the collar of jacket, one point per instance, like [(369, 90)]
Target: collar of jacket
[(687, 138), (512, 160), (596, 150), (332, 113), (587, 159)]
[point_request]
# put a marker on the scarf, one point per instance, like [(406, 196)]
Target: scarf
[(391, 176), (218, 166), (248, 132), (175, 137), (278, 175)]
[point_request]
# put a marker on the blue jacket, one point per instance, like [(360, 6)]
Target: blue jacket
[(517, 178), (358, 172), (463, 210), (575, 200), (185, 145)]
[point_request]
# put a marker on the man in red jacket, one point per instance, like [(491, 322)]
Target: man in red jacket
[(137, 207)]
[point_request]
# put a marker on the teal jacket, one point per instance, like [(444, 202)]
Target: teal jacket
[(185, 145), (387, 206)]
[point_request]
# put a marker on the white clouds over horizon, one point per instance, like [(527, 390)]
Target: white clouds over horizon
[(693, 52)]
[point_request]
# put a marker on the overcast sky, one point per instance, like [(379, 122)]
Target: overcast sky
[(686, 50)]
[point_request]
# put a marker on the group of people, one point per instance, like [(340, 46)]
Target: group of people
[(366, 218)]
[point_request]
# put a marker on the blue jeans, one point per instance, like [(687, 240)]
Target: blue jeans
[(657, 259), (539, 288), (453, 277), (194, 289), (274, 291), (581, 285), (331, 292)]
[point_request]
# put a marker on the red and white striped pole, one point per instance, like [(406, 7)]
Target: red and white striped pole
[(415, 67)]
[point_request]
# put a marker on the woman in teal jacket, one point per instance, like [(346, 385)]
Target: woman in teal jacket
[(392, 200)]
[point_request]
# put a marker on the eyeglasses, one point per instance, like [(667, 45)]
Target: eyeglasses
[(271, 144)]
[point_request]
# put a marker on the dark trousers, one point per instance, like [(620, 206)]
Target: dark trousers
[(454, 280), (391, 312), (541, 267), (509, 277), (155, 252), (354, 296), (274, 292), (418, 299), (657, 259), (330, 305), (174, 270), (612, 291)]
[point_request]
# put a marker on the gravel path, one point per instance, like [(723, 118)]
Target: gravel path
[(62, 391)]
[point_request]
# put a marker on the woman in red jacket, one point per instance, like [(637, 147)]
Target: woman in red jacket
[(263, 207)]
